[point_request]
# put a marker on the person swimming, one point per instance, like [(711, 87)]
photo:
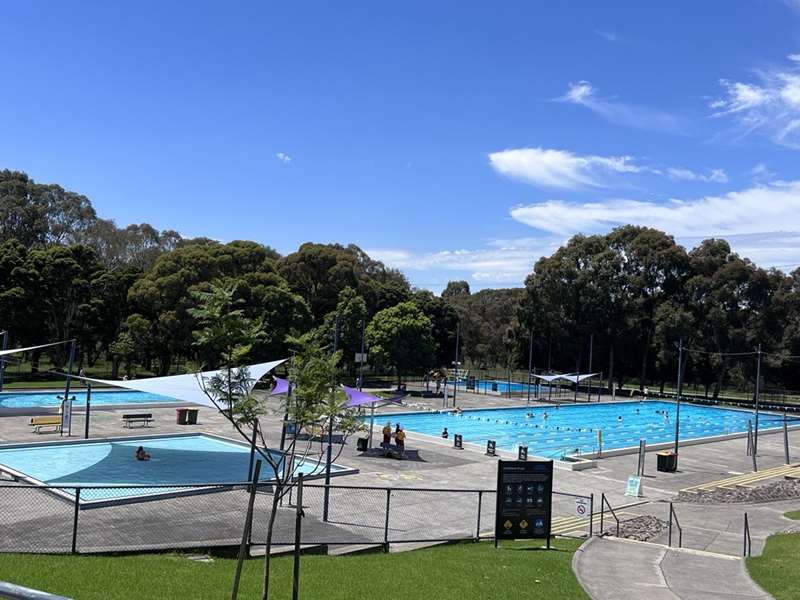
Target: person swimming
[(141, 454)]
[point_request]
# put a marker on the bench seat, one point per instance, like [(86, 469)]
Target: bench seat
[(144, 418), (51, 421)]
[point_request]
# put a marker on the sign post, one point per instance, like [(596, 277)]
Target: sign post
[(66, 416), (582, 507), (524, 494)]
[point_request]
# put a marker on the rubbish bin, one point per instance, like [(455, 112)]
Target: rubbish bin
[(181, 416), (361, 444), (667, 462), (191, 416)]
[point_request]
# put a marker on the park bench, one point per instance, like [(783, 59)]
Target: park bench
[(38, 422), (144, 418)]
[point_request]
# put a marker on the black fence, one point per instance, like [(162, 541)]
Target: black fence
[(96, 519)]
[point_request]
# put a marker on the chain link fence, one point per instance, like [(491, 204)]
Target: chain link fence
[(94, 519)]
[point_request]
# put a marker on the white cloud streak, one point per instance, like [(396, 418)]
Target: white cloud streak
[(621, 113), (713, 176), (755, 210), (769, 106), (283, 157), (559, 168)]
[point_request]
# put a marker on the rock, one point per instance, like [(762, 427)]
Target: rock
[(787, 489)]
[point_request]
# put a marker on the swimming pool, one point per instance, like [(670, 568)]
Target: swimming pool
[(50, 399), (175, 460), (553, 432)]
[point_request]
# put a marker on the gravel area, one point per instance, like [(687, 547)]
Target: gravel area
[(642, 528), (787, 489)]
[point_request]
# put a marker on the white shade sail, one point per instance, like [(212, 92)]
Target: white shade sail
[(29, 348), (579, 378), (188, 387)]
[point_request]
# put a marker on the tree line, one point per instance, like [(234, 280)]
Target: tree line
[(622, 300)]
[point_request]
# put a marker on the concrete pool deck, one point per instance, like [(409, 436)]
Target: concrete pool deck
[(712, 528)]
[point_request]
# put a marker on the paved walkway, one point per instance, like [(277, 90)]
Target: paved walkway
[(618, 569), (708, 567)]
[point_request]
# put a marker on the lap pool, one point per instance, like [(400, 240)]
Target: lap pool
[(178, 460), (553, 432), (50, 399)]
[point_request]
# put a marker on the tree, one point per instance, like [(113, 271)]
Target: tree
[(345, 323), (444, 322), (455, 289), (400, 337)]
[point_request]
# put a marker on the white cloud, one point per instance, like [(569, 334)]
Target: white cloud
[(713, 175), (498, 262), (761, 174), (621, 113), (608, 36), (559, 168), (283, 157), (755, 210), (770, 106)]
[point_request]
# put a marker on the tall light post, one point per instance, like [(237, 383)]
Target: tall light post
[(455, 364), (530, 363), (361, 362), (680, 391), (591, 347), (758, 395), (329, 454), (4, 346)]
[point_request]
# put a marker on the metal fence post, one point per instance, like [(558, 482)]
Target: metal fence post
[(669, 542), (386, 522), (785, 441), (74, 548), (298, 534), (591, 514), (478, 526), (602, 511)]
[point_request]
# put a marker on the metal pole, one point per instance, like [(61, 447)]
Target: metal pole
[(3, 362), (297, 535), (88, 411), (66, 387), (252, 449), (530, 364), (455, 364), (785, 441), (591, 514), (591, 347), (478, 526), (678, 398), (758, 389), (602, 511), (361, 363), (386, 522), (669, 543), (74, 548), (328, 459), (248, 524)]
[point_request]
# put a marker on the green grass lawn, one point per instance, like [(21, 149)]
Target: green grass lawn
[(793, 514), (776, 569), (465, 571)]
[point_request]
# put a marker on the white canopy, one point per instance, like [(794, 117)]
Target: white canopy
[(579, 378), (15, 350), (550, 378), (189, 387)]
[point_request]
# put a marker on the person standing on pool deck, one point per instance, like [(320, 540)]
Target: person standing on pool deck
[(141, 454), (387, 435), (400, 440)]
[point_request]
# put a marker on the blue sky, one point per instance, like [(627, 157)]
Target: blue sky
[(450, 139)]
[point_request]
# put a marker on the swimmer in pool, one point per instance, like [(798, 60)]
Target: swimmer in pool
[(141, 454)]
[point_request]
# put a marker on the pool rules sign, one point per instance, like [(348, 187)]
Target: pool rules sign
[(524, 493)]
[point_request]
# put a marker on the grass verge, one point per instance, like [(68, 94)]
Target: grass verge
[(793, 514), (467, 571), (776, 569)]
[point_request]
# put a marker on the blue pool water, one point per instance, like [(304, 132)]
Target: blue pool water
[(483, 386), (175, 460), (573, 428), (45, 399)]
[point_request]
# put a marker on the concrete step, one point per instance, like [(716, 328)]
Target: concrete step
[(340, 550), (282, 549)]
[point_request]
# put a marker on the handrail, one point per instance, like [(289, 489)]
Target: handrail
[(748, 543), (603, 502), (17, 592), (673, 516)]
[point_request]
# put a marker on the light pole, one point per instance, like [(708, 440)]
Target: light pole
[(530, 363), (591, 347), (758, 389), (456, 364), (680, 390), (361, 362), (2, 360)]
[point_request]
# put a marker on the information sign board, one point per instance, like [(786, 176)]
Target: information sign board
[(524, 493)]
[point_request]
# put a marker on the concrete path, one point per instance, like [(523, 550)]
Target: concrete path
[(618, 569)]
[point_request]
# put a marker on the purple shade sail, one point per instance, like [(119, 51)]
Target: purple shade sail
[(281, 387), (358, 398)]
